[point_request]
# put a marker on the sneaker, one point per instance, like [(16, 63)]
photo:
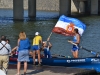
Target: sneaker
[(39, 65)]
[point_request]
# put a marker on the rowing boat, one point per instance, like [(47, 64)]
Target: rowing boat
[(86, 63)]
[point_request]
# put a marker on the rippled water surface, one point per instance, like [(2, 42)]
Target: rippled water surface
[(89, 40)]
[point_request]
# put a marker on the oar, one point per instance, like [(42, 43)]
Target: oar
[(61, 55), (92, 52)]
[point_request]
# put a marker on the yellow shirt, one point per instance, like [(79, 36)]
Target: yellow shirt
[(37, 40)]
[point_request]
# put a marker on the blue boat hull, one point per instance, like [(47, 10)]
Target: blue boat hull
[(86, 63)]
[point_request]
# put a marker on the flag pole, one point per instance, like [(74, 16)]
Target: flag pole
[(49, 36)]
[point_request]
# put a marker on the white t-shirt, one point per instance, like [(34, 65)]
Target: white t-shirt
[(2, 72)]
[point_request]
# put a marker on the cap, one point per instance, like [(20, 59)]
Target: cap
[(36, 33)]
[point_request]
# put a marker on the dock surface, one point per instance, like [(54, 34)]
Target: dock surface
[(50, 70)]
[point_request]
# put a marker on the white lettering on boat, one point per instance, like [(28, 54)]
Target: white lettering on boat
[(95, 60), (75, 60)]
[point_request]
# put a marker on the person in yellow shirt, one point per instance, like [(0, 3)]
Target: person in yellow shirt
[(37, 40)]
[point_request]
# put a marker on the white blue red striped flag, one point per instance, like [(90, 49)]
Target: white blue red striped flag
[(66, 25)]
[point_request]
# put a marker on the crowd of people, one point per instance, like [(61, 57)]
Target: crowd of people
[(24, 50)]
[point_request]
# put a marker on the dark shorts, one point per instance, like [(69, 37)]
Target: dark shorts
[(35, 47), (75, 48)]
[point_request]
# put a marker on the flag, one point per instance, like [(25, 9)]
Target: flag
[(65, 25)]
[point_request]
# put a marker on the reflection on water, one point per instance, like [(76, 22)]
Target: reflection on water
[(89, 40), (8, 14)]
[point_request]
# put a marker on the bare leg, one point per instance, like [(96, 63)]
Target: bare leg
[(75, 54), (18, 67), (31, 53), (33, 57), (25, 67), (38, 52)]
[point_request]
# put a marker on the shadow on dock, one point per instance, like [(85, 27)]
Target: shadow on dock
[(51, 70)]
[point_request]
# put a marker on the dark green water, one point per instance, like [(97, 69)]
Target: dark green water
[(89, 40)]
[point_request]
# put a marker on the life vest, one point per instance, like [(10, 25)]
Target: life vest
[(70, 28)]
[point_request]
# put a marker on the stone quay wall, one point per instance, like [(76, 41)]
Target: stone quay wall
[(48, 5)]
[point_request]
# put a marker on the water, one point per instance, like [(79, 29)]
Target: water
[(8, 14), (89, 40)]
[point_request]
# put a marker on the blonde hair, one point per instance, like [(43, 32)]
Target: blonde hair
[(22, 35)]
